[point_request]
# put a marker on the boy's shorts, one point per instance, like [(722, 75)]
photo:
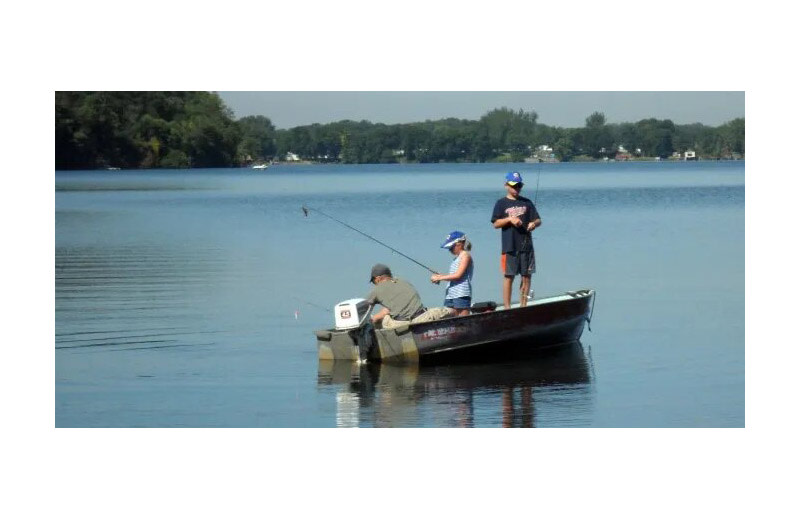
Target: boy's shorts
[(521, 262)]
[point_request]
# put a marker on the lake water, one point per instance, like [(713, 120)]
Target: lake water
[(189, 298)]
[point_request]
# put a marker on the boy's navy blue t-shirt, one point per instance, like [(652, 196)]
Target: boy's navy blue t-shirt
[(516, 239)]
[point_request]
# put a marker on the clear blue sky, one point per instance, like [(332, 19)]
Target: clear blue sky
[(568, 109)]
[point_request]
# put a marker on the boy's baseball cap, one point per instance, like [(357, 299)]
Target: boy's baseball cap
[(513, 178)]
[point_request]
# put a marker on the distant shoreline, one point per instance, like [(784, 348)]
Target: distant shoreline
[(499, 163), (579, 159)]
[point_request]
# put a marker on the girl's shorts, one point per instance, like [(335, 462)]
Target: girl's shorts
[(458, 303)]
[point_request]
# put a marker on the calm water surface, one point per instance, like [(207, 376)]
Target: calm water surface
[(189, 298)]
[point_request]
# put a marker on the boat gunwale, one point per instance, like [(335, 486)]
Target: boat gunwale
[(563, 297), (514, 307)]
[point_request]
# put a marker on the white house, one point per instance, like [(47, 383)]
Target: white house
[(290, 157), (689, 155)]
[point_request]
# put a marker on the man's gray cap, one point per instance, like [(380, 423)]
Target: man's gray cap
[(379, 269)]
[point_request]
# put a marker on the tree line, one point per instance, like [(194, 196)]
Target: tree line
[(196, 129)]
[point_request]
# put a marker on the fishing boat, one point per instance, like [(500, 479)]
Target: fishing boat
[(544, 322)]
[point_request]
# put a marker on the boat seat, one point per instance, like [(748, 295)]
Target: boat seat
[(479, 307)]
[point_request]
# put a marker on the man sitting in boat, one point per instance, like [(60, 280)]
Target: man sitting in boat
[(400, 300)]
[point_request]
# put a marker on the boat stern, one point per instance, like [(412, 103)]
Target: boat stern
[(336, 344), (360, 344)]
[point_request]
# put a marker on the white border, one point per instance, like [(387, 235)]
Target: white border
[(363, 46)]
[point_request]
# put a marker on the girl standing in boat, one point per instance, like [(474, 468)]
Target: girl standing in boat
[(458, 297)]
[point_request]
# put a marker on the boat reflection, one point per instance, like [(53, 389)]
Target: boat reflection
[(503, 393)]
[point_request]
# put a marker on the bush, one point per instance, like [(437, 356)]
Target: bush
[(175, 159)]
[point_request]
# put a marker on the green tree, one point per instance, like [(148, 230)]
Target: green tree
[(624, 134), (564, 148), (597, 136), (258, 139), (656, 137), (732, 136), (509, 131), (196, 129), (480, 146), (140, 129), (72, 146), (415, 141), (545, 135)]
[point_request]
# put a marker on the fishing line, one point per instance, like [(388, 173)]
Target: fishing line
[(315, 305), (528, 235), (306, 209)]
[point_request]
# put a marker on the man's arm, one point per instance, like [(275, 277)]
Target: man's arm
[(372, 297), (378, 316)]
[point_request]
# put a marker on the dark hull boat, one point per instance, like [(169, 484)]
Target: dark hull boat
[(545, 322)]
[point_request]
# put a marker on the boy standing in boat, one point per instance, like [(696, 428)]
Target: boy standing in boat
[(516, 216)]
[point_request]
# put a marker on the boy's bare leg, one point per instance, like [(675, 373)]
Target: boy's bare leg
[(507, 281), (526, 285)]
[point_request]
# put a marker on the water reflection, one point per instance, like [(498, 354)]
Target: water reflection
[(550, 388)]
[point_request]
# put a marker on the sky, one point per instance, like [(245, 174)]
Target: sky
[(566, 109)]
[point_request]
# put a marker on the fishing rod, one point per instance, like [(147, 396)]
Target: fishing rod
[(528, 235), (535, 198), (315, 305), (306, 209)]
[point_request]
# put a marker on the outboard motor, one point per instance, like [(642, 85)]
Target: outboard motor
[(351, 316)]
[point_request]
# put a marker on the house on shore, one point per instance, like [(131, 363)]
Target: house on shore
[(543, 153), (622, 154)]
